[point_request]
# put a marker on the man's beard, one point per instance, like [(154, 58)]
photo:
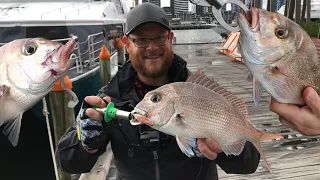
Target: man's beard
[(156, 71)]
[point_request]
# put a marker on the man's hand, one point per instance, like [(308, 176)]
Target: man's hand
[(306, 119), (209, 148), (97, 102), (89, 125)]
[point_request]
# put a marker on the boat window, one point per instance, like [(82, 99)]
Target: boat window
[(48, 32), (113, 32), (8, 34)]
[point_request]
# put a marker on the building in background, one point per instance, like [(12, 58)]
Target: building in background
[(168, 11), (156, 2), (200, 10), (179, 7)]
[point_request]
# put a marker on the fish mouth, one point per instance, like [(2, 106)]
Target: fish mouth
[(251, 22), (65, 52), (140, 116), (60, 55), (249, 41), (139, 112)]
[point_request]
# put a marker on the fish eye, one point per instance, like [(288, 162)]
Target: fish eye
[(30, 49), (281, 33), (155, 98)]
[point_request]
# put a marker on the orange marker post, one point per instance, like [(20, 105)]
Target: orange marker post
[(120, 52), (105, 71), (63, 117)]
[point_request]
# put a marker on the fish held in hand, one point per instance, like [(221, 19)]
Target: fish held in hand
[(280, 55), (29, 69), (200, 108)]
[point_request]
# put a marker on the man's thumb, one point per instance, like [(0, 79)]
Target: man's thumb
[(312, 99)]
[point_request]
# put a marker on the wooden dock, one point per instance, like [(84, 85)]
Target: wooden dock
[(295, 157)]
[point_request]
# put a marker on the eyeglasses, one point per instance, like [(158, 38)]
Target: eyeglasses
[(145, 42)]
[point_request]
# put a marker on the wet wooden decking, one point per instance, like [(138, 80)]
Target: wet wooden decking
[(296, 156)]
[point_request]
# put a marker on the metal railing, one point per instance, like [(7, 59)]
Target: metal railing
[(74, 8), (94, 44)]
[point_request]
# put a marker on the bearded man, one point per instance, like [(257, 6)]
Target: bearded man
[(142, 153)]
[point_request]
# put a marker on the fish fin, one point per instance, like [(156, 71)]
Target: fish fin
[(257, 144), (12, 130), (189, 146), (269, 136), (200, 78), (249, 77), (257, 92), (233, 149), (265, 136)]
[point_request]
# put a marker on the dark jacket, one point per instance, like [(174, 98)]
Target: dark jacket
[(173, 164)]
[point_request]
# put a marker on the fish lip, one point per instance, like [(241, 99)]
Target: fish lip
[(244, 23), (65, 52), (139, 112), (255, 17), (136, 112)]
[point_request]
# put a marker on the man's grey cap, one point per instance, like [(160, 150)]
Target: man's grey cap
[(143, 13)]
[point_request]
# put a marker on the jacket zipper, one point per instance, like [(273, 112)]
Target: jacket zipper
[(156, 162)]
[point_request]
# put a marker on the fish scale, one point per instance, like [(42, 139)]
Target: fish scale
[(200, 108)]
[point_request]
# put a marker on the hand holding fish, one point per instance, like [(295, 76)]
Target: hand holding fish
[(200, 109), (280, 55), (89, 124), (304, 119), (209, 148)]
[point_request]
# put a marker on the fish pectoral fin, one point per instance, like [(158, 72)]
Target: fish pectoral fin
[(257, 92), (234, 148), (12, 130), (188, 146)]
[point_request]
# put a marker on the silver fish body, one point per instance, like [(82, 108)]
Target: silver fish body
[(29, 69), (280, 55), (200, 108)]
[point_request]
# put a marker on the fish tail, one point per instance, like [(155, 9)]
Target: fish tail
[(257, 144), (265, 136)]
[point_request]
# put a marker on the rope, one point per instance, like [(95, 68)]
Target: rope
[(46, 113)]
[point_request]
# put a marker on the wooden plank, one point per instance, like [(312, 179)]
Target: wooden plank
[(62, 116), (101, 169)]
